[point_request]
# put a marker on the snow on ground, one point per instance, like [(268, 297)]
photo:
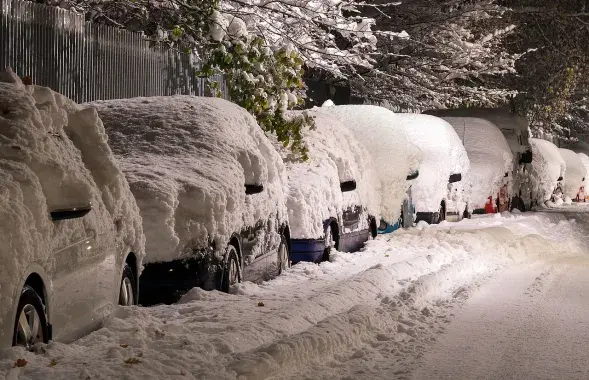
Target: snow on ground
[(370, 314), (575, 173)]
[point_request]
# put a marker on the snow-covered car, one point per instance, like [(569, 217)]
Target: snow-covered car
[(210, 189), (574, 177), (516, 133), (491, 162), (396, 160), (582, 149), (333, 198), (547, 173), (71, 241), (437, 190), (582, 197)]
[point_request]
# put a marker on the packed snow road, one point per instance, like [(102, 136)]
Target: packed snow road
[(492, 297)]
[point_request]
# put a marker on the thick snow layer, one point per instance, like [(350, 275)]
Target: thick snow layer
[(314, 193), (585, 160), (381, 133), (54, 155), (547, 166), (575, 173), (489, 155), (187, 160), (443, 155), (372, 312)]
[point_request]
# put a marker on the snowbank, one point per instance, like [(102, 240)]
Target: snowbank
[(548, 165), (54, 155), (489, 155), (443, 155), (575, 173), (379, 130), (314, 193), (187, 160)]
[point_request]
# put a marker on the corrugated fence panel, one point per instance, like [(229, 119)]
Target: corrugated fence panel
[(57, 48)]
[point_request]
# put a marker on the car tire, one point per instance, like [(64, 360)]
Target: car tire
[(128, 288), (373, 228), (330, 242), (284, 261), (231, 272), (30, 326), (442, 214)]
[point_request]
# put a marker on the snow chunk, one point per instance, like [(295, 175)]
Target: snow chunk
[(548, 165), (575, 172), (188, 159)]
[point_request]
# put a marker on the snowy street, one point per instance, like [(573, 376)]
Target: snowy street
[(498, 296)]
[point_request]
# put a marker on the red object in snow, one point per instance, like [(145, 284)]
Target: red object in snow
[(489, 206)]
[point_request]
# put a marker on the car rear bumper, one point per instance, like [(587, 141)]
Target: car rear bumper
[(307, 250)]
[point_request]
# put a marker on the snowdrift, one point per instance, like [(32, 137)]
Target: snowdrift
[(53, 155), (548, 165), (314, 193), (443, 155), (187, 160), (575, 173), (489, 154), (380, 131)]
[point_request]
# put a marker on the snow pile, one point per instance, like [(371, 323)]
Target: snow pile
[(443, 155), (379, 130), (489, 155), (575, 173), (54, 155), (314, 194), (548, 165), (585, 160), (187, 160)]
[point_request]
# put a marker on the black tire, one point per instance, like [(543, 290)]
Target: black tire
[(128, 289), (402, 220), (231, 269), (30, 300), (282, 265), (442, 213), (327, 251), (373, 228)]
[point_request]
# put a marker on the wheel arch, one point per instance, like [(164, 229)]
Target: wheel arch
[(334, 224)]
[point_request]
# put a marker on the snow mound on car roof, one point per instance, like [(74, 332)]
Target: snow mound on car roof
[(187, 160), (53, 155), (380, 131), (489, 154), (548, 165), (443, 155), (574, 174), (314, 193)]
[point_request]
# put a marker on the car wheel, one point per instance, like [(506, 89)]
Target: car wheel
[(30, 326), (283, 255), (442, 214), (128, 290), (231, 275), (330, 242)]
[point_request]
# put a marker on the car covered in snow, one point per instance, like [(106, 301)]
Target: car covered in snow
[(582, 149), (574, 177), (396, 160), (438, 189), (491, 163), (333, 198), (547, 173), (210, 188), (72, 242)]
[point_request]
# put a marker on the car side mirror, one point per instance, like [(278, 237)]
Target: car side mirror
[(413, 175), (347, 186), (526, 158), (70, 213), (506, 174), (253, 189), (456, 177)]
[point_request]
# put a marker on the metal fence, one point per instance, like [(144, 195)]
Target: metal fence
[(85, 61)]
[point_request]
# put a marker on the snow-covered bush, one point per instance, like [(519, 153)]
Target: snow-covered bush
[(489, 155), (380, 131), (54, 155), (547, 167), (187, 160), (575, 173), (314, 193)]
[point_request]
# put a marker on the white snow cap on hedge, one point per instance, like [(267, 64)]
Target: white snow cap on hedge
[(443, 155), (380, 131), (314, 193), (54, 154), (187, 160), (547, 166), (489, 154), (575, 172)]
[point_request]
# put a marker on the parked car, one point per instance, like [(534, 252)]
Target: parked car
[(582, 149), (210, 188), (547, 173), (382, 134), (516, 133), (333, 199), (444, 164), (491, 163), (71, 238), (574, 176)]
